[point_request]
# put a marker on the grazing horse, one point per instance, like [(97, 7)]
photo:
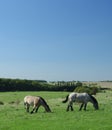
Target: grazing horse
[(82, 98), (36, 102)]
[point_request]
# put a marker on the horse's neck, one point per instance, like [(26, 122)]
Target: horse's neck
[(92, 99)]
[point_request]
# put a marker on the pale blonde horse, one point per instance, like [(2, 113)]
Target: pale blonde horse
[(36, 102)]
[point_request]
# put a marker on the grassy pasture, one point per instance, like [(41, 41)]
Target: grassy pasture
[(14, 117)]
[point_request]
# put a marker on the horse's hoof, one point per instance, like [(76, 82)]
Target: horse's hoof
[(31, 112)]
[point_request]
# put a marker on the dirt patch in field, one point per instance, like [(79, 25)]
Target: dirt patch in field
[(1, 103), (15, 102)]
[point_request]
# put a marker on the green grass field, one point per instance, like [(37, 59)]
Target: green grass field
[(14, 117)]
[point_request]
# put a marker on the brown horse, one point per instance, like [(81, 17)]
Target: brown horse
[(36, 102)]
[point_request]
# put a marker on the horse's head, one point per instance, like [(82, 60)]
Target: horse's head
[(44, 104), (47, 108), (94, 101), (96, 106)]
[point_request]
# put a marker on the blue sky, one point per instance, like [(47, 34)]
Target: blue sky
[(56, 40)]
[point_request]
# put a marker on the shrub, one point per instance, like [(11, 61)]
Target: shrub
[(90, 90)]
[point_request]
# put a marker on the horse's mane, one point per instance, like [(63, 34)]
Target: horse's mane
[(93, 98), (44, 102)]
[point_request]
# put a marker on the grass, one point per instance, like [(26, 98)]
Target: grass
[(14, 117)]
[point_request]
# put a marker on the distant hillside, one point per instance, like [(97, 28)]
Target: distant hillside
[(105, 84), (102, 84)]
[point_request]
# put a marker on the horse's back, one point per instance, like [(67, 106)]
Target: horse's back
[(26, 98), (79, 97), (31, 99)]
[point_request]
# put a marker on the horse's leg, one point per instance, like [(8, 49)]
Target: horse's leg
[(85, 106), (27, 107), (37, 109), (72, 108), (81, 106), (70, 105), (67, 108), (33, 109)]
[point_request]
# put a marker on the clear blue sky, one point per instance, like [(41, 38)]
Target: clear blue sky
[(56, 39)]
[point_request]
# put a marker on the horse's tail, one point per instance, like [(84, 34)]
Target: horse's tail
[(94, 100), (48, 108), (65, 99)]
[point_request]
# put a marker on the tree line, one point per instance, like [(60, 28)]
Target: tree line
[(34, 85), (42, 85)]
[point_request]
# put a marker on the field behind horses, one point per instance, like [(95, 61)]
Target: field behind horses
[(14, 117)]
